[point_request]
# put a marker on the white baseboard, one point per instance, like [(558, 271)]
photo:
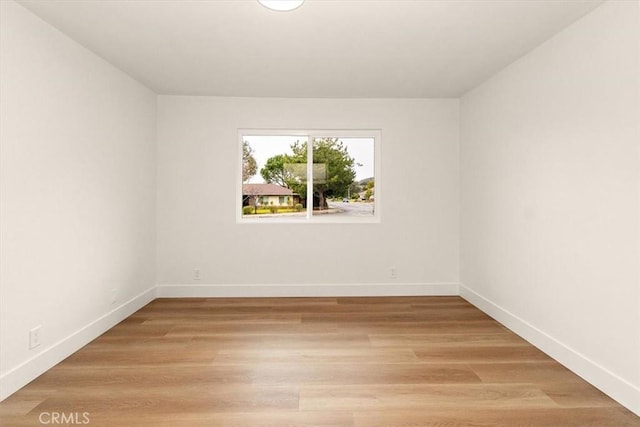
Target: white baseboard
[(609, 383), (21, 375), (300, 290)]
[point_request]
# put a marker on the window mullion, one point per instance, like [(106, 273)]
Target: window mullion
[(310, 176)]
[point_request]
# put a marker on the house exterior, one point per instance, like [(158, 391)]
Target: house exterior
[(268, 195)]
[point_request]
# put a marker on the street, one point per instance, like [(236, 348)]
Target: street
[(352, 209)]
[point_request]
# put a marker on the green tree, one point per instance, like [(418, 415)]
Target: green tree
[(368, 194), (249, 164), (354, 189), (278, 170), (333, 169)]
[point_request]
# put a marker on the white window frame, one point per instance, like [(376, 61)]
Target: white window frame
[(311, 135)]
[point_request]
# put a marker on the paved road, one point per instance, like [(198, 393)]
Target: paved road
[(353, 209)]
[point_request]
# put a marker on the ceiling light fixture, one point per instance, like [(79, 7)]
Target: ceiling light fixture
[(281, 5)]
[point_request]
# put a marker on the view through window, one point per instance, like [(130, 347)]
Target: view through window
[(301, 176)]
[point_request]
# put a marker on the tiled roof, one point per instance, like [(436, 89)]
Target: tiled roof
[(265, 190)]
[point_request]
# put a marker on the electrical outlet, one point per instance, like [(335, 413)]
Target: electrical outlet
[(34, 337), (196, 274), (393, 272)]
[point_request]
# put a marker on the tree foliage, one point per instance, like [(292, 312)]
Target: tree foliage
[(368, 194), (277, 171), (249, 164)]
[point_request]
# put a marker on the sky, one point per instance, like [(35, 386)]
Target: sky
[(265, 147)]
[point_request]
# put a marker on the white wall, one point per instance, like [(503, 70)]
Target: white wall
[(77, 195), (550, 202), (198, 166)]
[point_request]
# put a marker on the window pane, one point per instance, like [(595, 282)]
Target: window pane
[(274, 176), (343, 176)]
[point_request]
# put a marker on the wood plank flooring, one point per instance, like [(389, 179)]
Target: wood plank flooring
[(365, 362)]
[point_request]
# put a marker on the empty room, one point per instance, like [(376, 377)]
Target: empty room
[(320, 213)]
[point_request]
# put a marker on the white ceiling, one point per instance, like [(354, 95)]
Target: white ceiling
[(326, 48)]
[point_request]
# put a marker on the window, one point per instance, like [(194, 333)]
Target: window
[(302, 176)]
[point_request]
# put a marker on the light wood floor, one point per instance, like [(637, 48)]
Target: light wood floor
[(410, 361)]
